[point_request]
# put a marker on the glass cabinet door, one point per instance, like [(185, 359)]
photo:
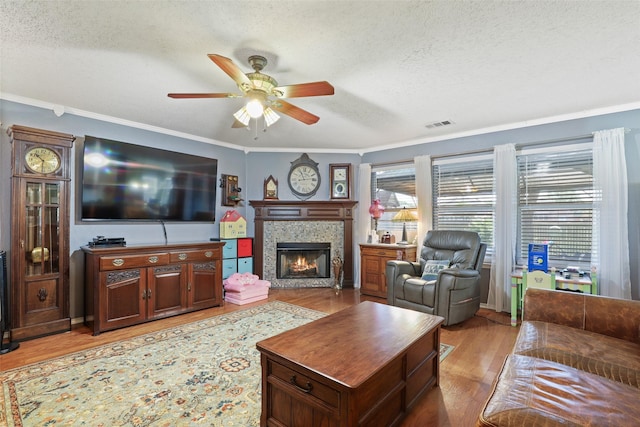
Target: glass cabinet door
[(41, 242)]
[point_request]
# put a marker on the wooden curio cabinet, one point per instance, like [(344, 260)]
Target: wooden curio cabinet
[(39, 232)]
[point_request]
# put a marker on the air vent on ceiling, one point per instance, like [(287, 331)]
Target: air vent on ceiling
[(439, 124)]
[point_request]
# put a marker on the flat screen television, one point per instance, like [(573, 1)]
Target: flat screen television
[(127, 182)]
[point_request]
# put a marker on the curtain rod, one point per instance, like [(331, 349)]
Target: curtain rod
[(488, 150)]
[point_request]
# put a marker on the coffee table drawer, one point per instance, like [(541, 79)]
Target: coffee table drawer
[(297, 381)]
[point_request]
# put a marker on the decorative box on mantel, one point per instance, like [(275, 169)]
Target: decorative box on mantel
[(294, 210)]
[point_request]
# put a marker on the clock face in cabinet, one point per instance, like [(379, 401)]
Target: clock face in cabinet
[(339, 174), (304, 177), (42, 160)]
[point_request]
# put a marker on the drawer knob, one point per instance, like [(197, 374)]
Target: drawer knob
[(208, 254), (118, 262), (153, 259), (182, 257), (306, 389)]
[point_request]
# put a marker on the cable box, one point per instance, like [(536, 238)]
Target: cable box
[(108, 241)]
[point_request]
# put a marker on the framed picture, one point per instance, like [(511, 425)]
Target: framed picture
[(270, 188), (340, 177)]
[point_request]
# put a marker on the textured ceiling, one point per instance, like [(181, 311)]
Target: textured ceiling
[(396, 65)]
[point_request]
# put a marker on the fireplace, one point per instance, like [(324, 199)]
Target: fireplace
[(278, 221), (303, 260)]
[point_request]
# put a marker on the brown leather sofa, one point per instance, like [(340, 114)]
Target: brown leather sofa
[(576, 362)]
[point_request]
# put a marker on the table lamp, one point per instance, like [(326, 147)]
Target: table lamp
[(376, 210), (404, 216)]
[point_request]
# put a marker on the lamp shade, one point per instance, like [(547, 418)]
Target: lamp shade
[(405, 215)]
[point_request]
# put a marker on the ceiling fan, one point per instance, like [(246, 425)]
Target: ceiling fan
[(263, 93)]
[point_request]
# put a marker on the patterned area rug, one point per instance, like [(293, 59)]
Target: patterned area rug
[(203, 373)]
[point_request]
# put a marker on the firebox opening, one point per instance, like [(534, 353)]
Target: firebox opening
[(303, 260)]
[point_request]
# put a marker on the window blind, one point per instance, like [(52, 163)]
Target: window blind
[(555, 204), (395, 187), (463, 197)]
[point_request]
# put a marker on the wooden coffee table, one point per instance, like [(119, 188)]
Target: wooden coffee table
[(365, 365)]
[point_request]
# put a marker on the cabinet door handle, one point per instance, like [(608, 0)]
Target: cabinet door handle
[(306, 389), (189, 287), (144, 294), (149, 294)]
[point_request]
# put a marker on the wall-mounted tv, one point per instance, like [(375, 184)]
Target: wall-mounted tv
[(127, 182)]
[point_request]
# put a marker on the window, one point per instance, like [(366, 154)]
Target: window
[(463, 196), (395, 187), (555, 204)]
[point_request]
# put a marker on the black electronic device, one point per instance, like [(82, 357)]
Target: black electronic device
[(127, 182), (107, 241)]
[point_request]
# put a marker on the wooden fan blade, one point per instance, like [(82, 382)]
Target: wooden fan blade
[(231, 69), (295, 112), (203, 95), (305, 89)]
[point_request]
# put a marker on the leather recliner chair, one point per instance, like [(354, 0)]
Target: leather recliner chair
[(455, 293)]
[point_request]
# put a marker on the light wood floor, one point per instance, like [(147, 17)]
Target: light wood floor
[(466, 375)]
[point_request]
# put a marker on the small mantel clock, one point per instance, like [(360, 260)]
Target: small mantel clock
[(40, 232)]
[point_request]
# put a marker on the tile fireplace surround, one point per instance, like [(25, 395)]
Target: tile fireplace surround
[(302, 221)]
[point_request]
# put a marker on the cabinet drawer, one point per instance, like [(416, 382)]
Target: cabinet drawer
[(130, 261), (197, 255), (384, 253), (297, 381), (229, 266), (245, 247), (230, 248), (245, 265)]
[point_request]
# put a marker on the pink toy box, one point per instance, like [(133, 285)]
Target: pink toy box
[(244, 288)]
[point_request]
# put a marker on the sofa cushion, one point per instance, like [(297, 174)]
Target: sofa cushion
[(598, 354), (531, 391), (432, 267)]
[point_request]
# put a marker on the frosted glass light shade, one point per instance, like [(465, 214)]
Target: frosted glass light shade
[(255, 108)]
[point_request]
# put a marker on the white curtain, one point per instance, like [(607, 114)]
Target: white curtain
[(610, 248), (363, 219), (424, 193), (505, 181)]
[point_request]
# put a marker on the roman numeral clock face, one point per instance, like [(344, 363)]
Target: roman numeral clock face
[(304, 178)]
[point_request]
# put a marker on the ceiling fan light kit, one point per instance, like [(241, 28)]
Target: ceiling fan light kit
[(263, 93)]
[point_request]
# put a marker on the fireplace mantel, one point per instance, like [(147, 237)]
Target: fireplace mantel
[(294, 210)]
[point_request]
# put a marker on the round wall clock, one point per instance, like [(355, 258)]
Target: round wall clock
[(304, 177), (42, 160)]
